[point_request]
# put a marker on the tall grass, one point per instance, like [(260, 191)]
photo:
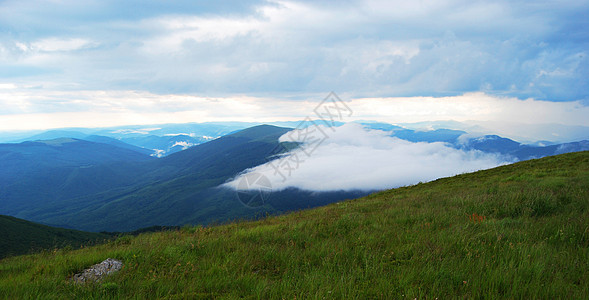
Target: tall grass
[(518, 231)]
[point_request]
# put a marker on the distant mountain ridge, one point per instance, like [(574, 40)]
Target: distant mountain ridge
[(107, 185), (486, 143), (62, 152), (157, 140), (177, 189), (117, 143), (34, 173), (149, 144), (510, 148), (163, 140)]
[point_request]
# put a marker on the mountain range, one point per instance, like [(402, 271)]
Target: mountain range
[(113, 192), (157, 140), (486, 143), (91, 182)]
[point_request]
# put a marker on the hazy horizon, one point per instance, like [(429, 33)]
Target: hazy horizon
[(518, 68)]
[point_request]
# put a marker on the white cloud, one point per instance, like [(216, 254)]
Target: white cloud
[(527, 120), (56, 44), (182, 133), (354, 158), (472, 106), (185, 145), (523, 120), (8, 86), (144, 131)]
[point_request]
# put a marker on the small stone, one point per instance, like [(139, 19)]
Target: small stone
[(98, 271)]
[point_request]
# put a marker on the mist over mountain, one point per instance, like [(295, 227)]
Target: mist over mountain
[(353, 157), (376, 156)]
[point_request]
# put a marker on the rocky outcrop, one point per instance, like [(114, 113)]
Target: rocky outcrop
[(98, 271)]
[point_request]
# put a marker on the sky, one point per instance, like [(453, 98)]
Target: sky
[(520, 68)]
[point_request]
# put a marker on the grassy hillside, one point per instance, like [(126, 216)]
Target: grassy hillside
[(19, 236), (517, 231)]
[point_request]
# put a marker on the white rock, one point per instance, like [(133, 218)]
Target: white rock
[(98, 271)]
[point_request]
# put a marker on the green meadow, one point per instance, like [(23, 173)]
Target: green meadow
[(516, 231)]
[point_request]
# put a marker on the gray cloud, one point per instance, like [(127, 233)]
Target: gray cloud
[(360, 48)]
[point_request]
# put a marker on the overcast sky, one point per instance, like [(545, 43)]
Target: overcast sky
[(100, 63)]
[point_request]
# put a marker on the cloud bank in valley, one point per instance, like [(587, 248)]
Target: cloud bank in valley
[(355, 158)]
